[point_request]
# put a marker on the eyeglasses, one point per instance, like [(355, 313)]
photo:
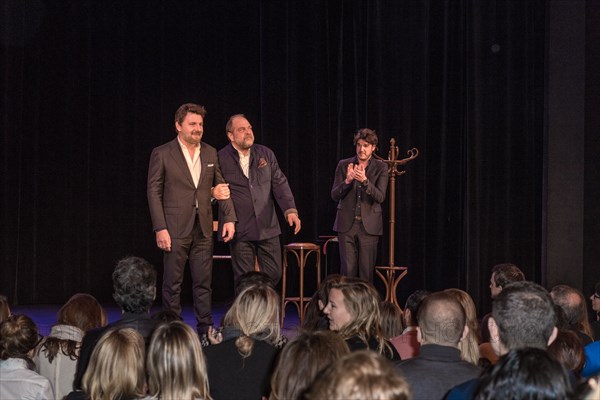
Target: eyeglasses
[(596, 296)]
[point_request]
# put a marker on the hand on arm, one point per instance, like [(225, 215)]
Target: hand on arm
[(228, 231), (221, 191), (163, 240), (293, 220)]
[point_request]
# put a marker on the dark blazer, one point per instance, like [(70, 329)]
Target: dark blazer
[(254, 198), (373, 196), (172, 195)]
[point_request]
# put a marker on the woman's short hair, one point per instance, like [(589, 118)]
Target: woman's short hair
[(525, 373), (302, 359), (254, 312), (18, 336), (360, 375), (116, 369), (175, 363)]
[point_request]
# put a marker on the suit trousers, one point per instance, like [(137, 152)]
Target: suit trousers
[(198, 250), (268, 252), (358, 252)]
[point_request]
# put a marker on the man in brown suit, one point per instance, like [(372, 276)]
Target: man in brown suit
[(183, 176)]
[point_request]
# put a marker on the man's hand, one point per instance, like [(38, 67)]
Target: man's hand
[(163, 240), (228, 231), (221, 191), (360, 173), (350, 175), (293, 219)]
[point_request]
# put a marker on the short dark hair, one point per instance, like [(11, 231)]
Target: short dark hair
[(413, 302), (252, 278), (525, 374), (524, 314), (229, 124), (187, 108), (134, 284), (507, 273), (366, 134), (442, 319)]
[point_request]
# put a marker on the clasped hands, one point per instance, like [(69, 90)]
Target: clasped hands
[(355, 172)]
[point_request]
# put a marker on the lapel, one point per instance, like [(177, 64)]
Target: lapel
[(179, 159), (203, 165)]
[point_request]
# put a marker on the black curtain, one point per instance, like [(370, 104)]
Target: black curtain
[(89, 87)]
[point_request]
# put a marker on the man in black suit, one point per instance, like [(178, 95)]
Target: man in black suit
[(183, 176), (256, 183), (359, 189)]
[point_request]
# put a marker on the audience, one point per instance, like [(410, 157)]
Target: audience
[(175, 364), (574, 306), (486, 350), (4, 308), (439, 367), (18, 338), (134, 285), (567, 349), (314, 318), (391, 320), (241, 362), (116, 368), (502, 275), (407, 344), (592, 360), (525, 374), (522, 316), (353, 312), (469, 347), (302, 360), (56, 356), (595, 299), (360, 375)]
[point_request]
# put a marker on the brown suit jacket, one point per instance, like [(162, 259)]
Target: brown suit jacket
[(172, 195)]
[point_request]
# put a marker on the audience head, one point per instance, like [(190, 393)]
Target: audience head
[(595, 298), (134, 284), (165, 316), (574, 306), (502, 275), (526, 373), (442, 320), (522, 316), (469, 348), (391, 319), (302, 359), (82, 311), (360, 375), (116, 368), (254, 312), (314, 311), (4, 308), (176, 366), (411, 308), (18, 337), (251, 278), (568, 350)]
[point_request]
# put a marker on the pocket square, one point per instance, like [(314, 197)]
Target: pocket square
[(210, 165), (262, 162)]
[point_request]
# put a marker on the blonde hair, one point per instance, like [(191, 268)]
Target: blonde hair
[(255, 311), (362, 302), (469, 347), (360, 375), (176, 366), (116, 368)]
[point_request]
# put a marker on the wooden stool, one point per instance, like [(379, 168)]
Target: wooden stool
[(390, 280), (301, 251)]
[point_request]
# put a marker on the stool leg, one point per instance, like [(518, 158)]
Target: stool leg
[(301, 269), (283, 286)]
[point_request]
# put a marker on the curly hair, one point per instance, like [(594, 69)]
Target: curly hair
[(134, 284)]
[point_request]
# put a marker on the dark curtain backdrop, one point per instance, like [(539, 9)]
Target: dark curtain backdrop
[(89, 87)]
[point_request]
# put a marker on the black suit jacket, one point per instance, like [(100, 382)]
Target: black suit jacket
[(172, 195), (372, 197)]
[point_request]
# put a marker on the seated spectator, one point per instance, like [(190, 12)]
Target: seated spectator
[(353, 312), (18, 338), (302, 360), (486, 350), (360, 375), (314, 319), (4, 308), (252, 278), (116, 369), (56, 356), (526, 373), (407, 344), (240, 361), (391, 320), (134, 286), (574, 306), (502, 275), (469, 347), (592, 360), (439, 367), (595, 325), (567, 349), (175, 364)]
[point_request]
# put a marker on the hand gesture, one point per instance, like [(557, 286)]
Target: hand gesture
[(350, 174), (221, 191)]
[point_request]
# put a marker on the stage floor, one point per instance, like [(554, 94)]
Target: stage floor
[(44, 315)]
